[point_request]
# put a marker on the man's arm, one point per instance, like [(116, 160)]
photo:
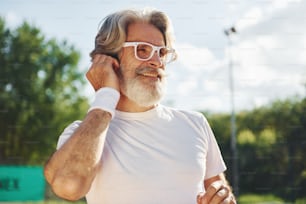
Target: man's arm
[(72, 168), (218, 190)]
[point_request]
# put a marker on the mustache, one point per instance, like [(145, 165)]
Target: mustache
[(148, 70)]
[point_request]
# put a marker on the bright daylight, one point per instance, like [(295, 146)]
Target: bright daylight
[(152, 102)]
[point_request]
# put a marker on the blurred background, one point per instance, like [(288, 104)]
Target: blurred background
[(241, 63)]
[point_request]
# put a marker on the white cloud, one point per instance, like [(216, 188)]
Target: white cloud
[(252, 17), (269, 62), (186, 87), (194, 58), (198, 80), (270, 55)]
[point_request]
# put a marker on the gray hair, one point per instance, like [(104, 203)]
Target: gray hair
[(112, 34)]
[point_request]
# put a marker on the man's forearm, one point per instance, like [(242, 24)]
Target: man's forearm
[(72, 168)]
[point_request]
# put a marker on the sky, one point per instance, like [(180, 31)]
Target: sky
[(267, 52)]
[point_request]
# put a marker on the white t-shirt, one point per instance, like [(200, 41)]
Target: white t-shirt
[(154, 157)]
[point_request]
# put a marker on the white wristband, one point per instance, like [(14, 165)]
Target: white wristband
[(106, 99)]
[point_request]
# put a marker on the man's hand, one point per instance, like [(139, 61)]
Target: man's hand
[(102, 72), (217, 193)]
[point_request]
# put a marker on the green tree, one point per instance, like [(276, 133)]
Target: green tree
[(272, 147), (39, 87), (246, 137), (278, 152)]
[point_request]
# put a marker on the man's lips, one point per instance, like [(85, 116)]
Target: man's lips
[(150, 72)]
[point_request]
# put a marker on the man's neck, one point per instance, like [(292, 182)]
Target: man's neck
[(127, 105)]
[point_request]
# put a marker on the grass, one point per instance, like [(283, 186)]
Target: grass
[(300, 201), (259, 199)]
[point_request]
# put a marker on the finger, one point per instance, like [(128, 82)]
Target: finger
[(96, 58), (100, 58), (213, 189), (116, 63), (199, 198), (102, 72), (233, 200), (220, 196), (229, 200), (99, 63)]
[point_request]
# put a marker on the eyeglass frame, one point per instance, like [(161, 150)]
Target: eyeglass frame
[(154, 49)]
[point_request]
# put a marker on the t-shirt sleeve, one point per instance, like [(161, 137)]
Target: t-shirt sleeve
[(214, 161), (68, 131)]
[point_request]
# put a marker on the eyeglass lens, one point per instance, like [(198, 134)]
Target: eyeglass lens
[(145, 52)]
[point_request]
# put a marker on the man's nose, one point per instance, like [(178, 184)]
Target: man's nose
[(156, 61)]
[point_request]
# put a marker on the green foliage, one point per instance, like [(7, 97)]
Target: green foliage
[(246, 137), (271, 143), (39, 93), (267, 137), (300, 201)]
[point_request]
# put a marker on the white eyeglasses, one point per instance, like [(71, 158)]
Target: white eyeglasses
[(144, 51)]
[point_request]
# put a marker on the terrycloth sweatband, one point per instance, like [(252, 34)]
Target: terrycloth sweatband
[(106, 99)]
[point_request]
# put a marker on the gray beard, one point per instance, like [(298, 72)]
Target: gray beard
[(144, 94)]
